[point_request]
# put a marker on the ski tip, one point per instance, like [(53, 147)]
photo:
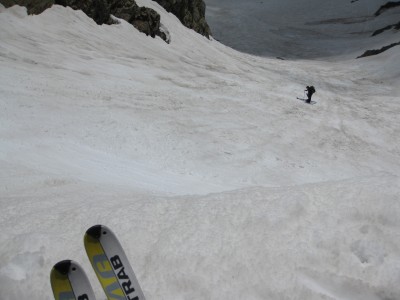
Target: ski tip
[(63, 266), (95, 231)]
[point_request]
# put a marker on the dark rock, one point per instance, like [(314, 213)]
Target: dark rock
[(379, 31), (98, 10), (377, 51), (190, 12), (387, 6), (144, 19), (34, 7)]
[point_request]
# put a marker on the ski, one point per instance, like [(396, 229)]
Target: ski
[(69, 282), (111, 265), (305, 101)]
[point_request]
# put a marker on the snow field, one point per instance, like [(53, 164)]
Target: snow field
[(218, 182)]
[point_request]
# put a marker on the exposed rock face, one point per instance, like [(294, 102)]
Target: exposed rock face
[(386, 7), (382, 9), (379, 31), (34, 7), (190, 12), (144, 19), (98, 10), (377, 51)]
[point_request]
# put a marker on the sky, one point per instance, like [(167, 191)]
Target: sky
[(218, 182)]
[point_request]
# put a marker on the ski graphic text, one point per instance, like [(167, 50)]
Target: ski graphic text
[(123, 278), (113, 287)]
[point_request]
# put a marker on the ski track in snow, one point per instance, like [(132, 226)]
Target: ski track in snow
[(218, 182)]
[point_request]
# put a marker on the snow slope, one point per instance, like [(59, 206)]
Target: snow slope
[(219, 183), (300, 29)]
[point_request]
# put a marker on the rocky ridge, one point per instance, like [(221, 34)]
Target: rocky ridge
[(146, 20), (396, 27), (190, 12)]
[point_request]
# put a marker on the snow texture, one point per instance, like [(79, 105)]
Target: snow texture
[(217, 181)]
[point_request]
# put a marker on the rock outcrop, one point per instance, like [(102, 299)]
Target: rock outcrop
[(378, 51), (34, 7), (389, 27), (386, 7), (144, 19), (381, 10), (98, 10), (190, 12)]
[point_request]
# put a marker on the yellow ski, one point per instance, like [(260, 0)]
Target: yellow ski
[(69, 282), (111, 265)]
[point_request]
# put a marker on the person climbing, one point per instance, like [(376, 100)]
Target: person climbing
[(310, 91)]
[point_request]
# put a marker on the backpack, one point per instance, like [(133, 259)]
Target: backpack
[(312, 90)]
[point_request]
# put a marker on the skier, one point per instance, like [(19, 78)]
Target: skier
[(310, 91)]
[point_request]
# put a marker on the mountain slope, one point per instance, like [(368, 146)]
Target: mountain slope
[(219, 183), (304, 29)]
